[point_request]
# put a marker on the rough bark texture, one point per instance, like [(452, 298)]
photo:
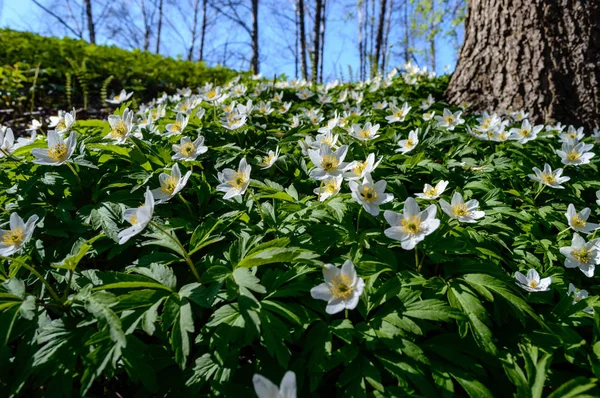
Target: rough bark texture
[(379, 40), (539, 55), (90, 20), (158, 32), (302, 39), (254, 34), (316, 41), (203, 32)]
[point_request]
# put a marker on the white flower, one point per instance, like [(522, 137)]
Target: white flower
[(213, 95), (449, 120), (548, 177), (19, 233), (575, 154), (327, 138), (526, 132), (181, 121), (426, 104), (326, 162), (578, 221), (578, 295), (572, 136), (409, 144), (380, 105), (582, 255), (596, 136), (264, 388), (598, 197), (170, 185), (430, 192), (235, 183), (342, 288), (58, 152), (7, 142), (188, 150), (34, 125), (532, 282), (520, 115), (120, 127), (463, 212), (413, 225), (398, 114), (138, 217), (427, 116), (366, 133), (330, 187), (23, 141), (63, 122), (304, 94), (356, 170), (234, 121), (270, 159), (370, 194), (295, 122), (120, 98)]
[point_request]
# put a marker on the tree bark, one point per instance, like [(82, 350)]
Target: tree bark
[(303, 65), (386, 38), (359, 6), (316, 40), (322, 56), (254, 34), (537, 55), (159, 28), (194, 28), (379, 40), (203, 32), (90, 20)]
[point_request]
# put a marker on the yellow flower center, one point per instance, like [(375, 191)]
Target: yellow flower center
[(328, 140), (366, 133), (176, 126), (369, 194), (449, 119), (578, 221), (525, 132), (359, 168), (117, 97), (119, 131), (411, 225), (169, 185), (187, 149), (460, 210), (410, 143), (238, 180), (211, 94), (572, 136), (573, 156), (582, 255), (341, 287), (133, 219), (184, 107), (58, 152), (13, 237), (398, 114), (62, 125), (431, 192), (549, 178), (329, 163), (331, 187), (533, 284), (267, 160)]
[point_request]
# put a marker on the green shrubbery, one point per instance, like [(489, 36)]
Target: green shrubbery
[(87, 67)]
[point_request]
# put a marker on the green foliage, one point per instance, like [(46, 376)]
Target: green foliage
[(213, 291)]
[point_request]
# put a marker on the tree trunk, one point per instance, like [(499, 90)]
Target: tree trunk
[(203, 32), (406, 33), (194, 28), (297, 41), (147, 26), (254, 34), (303, 64), (90, 20), (316, 40), (379, 40), (386, 38), (159, 28), (322, 56), (537, 55), (359, 6)]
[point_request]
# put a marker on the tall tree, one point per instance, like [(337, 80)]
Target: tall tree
[(159, 27), (254, 35), (90, 20), (194, 27), (359, 7), (316, 40), (379, 39), (541, 56), (301, 21), (203, 30)]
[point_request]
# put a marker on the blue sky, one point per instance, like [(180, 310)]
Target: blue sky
[(340, 41)]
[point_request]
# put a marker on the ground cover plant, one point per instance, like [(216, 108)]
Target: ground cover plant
[(271, 237)]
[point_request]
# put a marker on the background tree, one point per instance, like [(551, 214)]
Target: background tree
[(542, 56)]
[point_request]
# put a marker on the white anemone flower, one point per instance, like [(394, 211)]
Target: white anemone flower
[(170, 184), (463, 212), (578, 220), (270, 159), (24, 141), (138, 217), (181, 121), (449, 120), (58, 152), (342, 288), (120, 98), (265, 388), (235, 183), (370, 195), (356, 170), (398, 114), (426, 104), (34, 125), (17, 236), (575, 154), (328, 163), (63, 122), (7, 142), (189, 150), (572, 136), (578, 295), (120, 127), (430, 192), (598, 197), (427, 116), (548, 177), (213, 94), (526, 132), (366, 133), (413, 225), (330, 187), (410, 143), (532, 282), (581, 254), (234, 121)]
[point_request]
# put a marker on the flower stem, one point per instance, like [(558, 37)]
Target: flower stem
[(358, 219), (320, 190), (76, 175), (539, 192), (37, 274), (186, 256), (417, 259), (257, 204), (187, 204)]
